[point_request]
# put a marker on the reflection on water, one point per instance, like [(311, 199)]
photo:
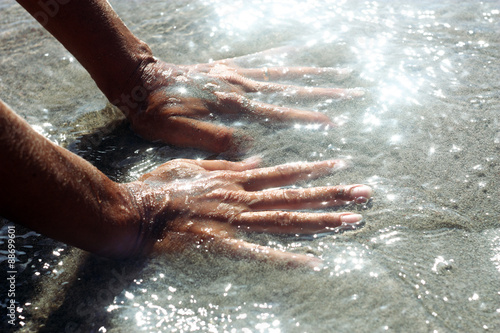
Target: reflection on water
[(425, 135)]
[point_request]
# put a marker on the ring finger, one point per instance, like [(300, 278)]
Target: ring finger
[(281, 222)]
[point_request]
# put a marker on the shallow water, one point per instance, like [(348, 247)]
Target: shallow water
[(426, 136)]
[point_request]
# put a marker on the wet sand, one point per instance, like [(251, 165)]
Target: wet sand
[(426, 136)]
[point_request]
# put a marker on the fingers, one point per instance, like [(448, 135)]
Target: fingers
[(213, 165), (279, 73), (308, 198), (237, 248), (287, 174), (215, 238), (249, 85), (233, 103), (281, 222), (187, 132), (244, 60)]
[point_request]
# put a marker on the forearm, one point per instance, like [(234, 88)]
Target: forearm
[(57, 193), (96, 36)]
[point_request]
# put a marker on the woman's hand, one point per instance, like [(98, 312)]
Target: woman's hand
[(204, 203), (180, 204), (174, 104), (170, 103)]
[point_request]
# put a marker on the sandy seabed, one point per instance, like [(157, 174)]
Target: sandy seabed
[(426, 136)]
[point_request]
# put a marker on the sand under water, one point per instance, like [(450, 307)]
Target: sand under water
[(426, 136)]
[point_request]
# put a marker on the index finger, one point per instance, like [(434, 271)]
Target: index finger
[(277, 73), (214, 165), (287, 174), (188, 132)]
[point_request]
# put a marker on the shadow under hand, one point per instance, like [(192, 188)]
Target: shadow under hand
[(97, 282)]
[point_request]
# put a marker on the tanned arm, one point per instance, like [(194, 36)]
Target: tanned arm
[(59, 194), (96, 37), (150, 91)]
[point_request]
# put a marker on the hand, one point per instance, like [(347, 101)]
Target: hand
[(173, 104), (205, 202)]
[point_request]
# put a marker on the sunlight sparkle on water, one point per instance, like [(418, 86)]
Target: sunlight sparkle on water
[(399, 88), (496, 253), (182, 90), (396, 138), (371, 120), (432, 150), (245, 16), (391, 197)]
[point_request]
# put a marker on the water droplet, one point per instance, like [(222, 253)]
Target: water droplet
[(361, 200)]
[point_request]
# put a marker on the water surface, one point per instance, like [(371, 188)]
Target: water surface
[(426, 136)]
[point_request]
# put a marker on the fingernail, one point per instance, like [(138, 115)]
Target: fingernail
[(316, 264), (253, 160), (337, 164), (356, 92), (361, 192), (341, 71), (351, 218)]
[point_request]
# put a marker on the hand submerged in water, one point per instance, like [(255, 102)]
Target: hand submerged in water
[(174, 104), (182, 202), (205, 202)]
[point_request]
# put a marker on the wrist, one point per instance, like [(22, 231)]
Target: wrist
[(151, 215), (98, 39), (142, 88), (136, 88), (128, 89)]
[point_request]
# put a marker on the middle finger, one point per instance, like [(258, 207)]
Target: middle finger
[(249, 85), (286, 174), (309, 198)]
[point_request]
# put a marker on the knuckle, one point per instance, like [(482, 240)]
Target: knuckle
[(224, 195)]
